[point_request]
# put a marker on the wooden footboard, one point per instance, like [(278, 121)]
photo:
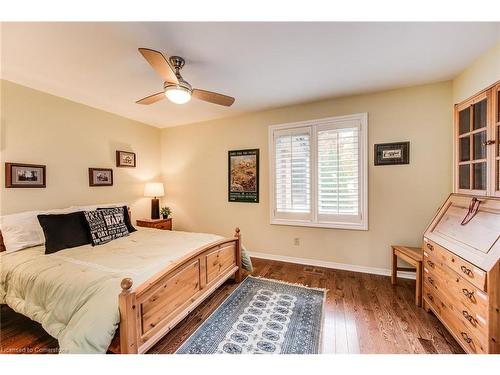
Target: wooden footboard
[(153, 308)]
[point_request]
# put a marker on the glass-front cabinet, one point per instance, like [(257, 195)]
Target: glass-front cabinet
[(477, 151)]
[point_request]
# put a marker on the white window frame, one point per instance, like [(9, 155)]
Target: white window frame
[(314, 220)]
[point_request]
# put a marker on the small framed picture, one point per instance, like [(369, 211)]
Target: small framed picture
[(392, 153), (100, 177), (19, 175), (125, 159), (243, 176)]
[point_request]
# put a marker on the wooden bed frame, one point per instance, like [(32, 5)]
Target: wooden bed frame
[(150, 310)]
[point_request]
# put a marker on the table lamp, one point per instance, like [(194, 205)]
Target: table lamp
[(154, 190)]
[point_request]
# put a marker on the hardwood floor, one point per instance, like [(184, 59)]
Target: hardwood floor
[(363, 314)]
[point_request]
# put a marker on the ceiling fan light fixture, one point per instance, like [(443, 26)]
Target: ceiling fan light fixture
[(178, 94), (175, 88)]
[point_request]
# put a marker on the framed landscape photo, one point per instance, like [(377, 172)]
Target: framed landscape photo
[(125, 159), (392, 153), (18, 175), (243, 176), (100, 177)]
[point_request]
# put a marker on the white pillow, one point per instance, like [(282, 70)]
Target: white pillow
[(94, 207), (23, 230)]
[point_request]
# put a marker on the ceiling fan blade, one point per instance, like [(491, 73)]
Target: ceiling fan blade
[(159, 64), (152, 98), (213, 97)]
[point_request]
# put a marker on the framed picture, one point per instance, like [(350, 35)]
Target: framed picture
[(243, 176), (125, 159), (100, 177), (19, 175), (392, 153)]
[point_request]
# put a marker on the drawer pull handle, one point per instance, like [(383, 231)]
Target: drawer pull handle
[(430, 263), (431, 280), (466, 337), (468, 293), (430, 297), (466, 270), (470, 318), (430, 247)]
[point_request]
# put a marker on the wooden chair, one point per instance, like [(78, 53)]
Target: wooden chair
[(413, 256)]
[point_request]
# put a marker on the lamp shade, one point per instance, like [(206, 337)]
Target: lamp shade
[(154, 189)]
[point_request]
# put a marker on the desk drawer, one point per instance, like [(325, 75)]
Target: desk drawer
[(448, 282), (466, 318), (461, 267), (468, 337)]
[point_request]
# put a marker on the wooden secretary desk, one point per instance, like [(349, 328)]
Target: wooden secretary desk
[(461, 271), (461, 264)]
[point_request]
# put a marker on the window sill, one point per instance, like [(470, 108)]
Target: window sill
[(339, 225)]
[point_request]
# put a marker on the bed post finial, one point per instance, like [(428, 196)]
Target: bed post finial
[(126, 284), (237, 232)]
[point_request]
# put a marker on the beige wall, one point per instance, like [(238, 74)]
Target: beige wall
[(69, 138), (479, 75), (402, 199)]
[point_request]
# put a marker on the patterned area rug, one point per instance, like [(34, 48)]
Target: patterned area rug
[(262, 316)]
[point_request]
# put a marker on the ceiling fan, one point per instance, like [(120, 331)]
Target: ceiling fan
[(175, 88)]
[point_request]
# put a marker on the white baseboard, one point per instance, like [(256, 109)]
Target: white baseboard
[(333, 265)]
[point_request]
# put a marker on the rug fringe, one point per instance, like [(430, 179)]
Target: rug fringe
[(288, 283)]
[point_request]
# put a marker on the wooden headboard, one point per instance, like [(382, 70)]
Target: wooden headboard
[(2, 246)]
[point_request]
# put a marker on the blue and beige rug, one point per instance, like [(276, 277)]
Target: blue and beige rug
[(262, 316)]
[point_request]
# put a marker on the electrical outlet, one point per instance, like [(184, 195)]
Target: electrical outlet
[(296, 241)]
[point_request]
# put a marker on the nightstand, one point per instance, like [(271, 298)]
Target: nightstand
[(165, 224)]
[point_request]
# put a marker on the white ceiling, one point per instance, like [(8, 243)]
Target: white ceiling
[(263, 65)]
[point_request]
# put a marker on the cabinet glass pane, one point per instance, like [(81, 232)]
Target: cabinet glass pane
[(464, 121), (479, 146), (465, 148), (479, 176), (480, 110), (464, 176)]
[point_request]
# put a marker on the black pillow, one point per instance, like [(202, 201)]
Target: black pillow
[(128, 223), (106, 224), (63, 231)]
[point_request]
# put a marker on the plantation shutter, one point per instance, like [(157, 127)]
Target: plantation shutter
[(318, 173), (292, 149), (338, 171)]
